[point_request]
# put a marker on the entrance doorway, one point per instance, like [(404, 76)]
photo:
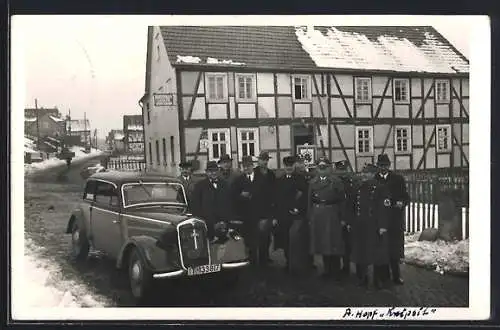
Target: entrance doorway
[(302, 135)]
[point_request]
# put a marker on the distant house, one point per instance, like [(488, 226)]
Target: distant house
[(133, 134), (115, 140), (78, 131), (347, 92), (32, 112), (48, 125)]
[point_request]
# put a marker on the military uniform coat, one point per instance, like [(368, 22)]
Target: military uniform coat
[(372, 211), (210, 203), (326, 201), (396, 226), (289, 192)]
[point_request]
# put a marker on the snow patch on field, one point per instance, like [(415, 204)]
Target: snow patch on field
[(442, 257), (52, 162), (45, 286)]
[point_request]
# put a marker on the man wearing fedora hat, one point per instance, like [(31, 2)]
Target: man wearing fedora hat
[(210, 199), (399, 198), (227, 172)]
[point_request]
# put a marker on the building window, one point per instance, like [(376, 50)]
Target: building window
[(245, 87), (157, 152), (164, 151), (172, 149), (216, 87), (248, 142), (301, 88), (363, 90), (150, 154), (148, 112), (402, 138), (364, 140), (219, 143), (442, 91), (443, 138), (401, 90)]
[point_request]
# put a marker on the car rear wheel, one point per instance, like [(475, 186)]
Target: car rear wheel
[(139, 276), (79, 243)]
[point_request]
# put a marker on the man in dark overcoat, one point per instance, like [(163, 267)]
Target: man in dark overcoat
[(186, 178), (290, 191), (227, 172), (326, 198), (350, 187), (369, 227), (399, 199), (252, 201), (210, 199)]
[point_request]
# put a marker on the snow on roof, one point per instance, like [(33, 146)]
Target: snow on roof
[(134, 127), (30, 119), (56, 119), (211, 60), (351, 50), (188, 59), (77, 125), (118, 136)]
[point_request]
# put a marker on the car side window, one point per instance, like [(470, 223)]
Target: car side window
[(89, 193), (106, 194)]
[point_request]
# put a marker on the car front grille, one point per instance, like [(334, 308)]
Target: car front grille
[(193, 243)]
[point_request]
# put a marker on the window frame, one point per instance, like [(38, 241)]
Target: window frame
[(92, 189), (370, 90), (157, 149), (225, 85), (407, 86), (307, 99), (253, 87), (256, 140), (114, 191), (150, 154), (370, 137), (210, 148), (408, 138), (450, 139), (448, 91), (164, 145)]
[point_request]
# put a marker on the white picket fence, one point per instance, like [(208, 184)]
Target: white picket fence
[(420, 216)]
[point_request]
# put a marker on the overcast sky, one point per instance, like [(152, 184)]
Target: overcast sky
[(97, 64)]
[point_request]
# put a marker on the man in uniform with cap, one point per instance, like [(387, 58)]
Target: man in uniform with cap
[(210, 199), (369, 227), (326, 198), (290, 192), (227, 172), (186, 178), (350, 187), (399, 198)]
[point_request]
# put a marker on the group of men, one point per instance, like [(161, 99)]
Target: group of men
[(329, 211)]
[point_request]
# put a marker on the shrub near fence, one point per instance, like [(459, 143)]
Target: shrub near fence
[(427, 190)]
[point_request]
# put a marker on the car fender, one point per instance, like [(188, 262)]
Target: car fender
[(153, 257), (76, 216)]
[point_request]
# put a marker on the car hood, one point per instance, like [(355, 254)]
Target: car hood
[(159, 214)]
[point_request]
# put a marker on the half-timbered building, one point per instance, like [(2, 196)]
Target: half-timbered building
[(344, 92)]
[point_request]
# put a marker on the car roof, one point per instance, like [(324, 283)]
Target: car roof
[(127, 177)]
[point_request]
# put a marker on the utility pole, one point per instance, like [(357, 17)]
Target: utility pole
[(37, 126)]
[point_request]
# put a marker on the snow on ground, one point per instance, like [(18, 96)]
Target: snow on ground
[(45, 286), (441, 256), (52, 162)]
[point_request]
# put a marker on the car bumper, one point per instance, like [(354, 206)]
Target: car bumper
[(182, 272)]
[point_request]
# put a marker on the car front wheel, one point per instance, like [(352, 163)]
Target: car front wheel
[(79, 243), (140, 277)]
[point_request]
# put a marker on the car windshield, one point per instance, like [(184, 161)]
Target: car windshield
[(150, 193)]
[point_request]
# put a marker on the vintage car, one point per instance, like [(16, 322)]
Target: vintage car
[(142, 221)]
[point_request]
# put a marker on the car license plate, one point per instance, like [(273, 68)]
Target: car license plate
[(204, 269)]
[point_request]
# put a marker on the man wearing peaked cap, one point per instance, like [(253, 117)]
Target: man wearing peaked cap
[(210, 199), (341, 165), (368, 227), (326, 202), (186, 178), (399, 199)]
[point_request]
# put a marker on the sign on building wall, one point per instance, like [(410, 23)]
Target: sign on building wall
[(204, 145), (164, 99), (308, 153)]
